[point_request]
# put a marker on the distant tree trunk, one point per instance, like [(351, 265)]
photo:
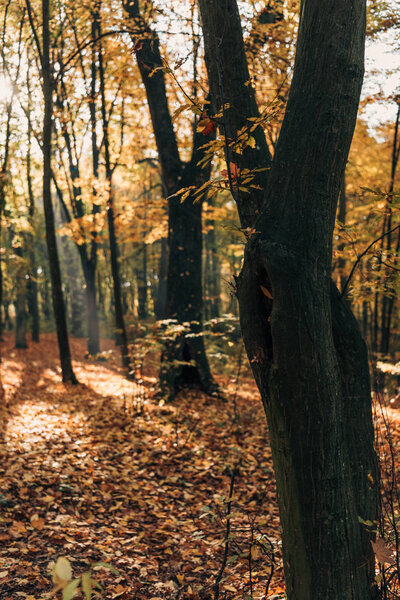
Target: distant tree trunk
[(142, 285), (303, 343), (57, 294), (341, 263), (184, 280), (384, 301), (20, 298), (32, 286), (160, 304), (389, 295), (214, 273), (122, 338), (20, 320)]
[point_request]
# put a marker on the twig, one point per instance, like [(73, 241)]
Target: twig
[(227, 534), (360, 256)]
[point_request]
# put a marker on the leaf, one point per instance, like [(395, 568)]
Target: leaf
[(70, 589), (87, 585), (179, 110), (62, 569), (234, 171), (382, 553), (37, 522), (210, 127), (266, 292), (107, 566)]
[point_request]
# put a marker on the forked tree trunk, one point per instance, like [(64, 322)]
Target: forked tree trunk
[(304, 345)]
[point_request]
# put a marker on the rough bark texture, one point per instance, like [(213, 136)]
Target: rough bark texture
[(305, 348), (184, 280), (55, 273)]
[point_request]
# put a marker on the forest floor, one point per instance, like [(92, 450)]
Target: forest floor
[(102, 472)]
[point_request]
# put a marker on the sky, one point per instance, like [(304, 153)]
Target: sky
[(382, 74)]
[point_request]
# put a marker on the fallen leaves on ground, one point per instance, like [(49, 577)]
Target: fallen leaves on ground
[(102, 472)]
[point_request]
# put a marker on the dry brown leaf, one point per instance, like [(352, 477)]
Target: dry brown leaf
[(383, 554), (266, 292)]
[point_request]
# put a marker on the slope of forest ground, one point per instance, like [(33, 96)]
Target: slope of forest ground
[(103, 472)]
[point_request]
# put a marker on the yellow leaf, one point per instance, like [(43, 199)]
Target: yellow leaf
[(3, 574), (62, 569), (180, 578)]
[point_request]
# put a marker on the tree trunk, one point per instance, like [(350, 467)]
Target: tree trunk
[(20, 303), (55, 274), (122, 338), (184, 258), (160, 308), (20, 320), (142, 285), (303, 343), (185, 301)]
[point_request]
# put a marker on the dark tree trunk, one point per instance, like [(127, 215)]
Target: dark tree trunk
[(142, 285), (389, 294), (213, 275), (20, 320), (20, 303), (55, 274), (32, 285), (160, 304), (184, 258), (185, 298), (303, 343)]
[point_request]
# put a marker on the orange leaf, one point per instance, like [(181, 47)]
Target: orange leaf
[(266, 292), (210, 127), (234, 171)]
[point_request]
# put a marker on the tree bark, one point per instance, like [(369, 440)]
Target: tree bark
[(303, 343), (184, 289), (160, 303), (55, 273)]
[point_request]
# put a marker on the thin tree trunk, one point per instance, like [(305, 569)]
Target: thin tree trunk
[(159, 308), (57, 294), (32, 286), (122, 338), (142, 285)]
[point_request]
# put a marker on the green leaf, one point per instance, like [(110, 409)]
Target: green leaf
[(106, 566), (87, 585), (70, 589)]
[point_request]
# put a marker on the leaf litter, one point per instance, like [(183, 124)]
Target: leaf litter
[(103, 472)]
